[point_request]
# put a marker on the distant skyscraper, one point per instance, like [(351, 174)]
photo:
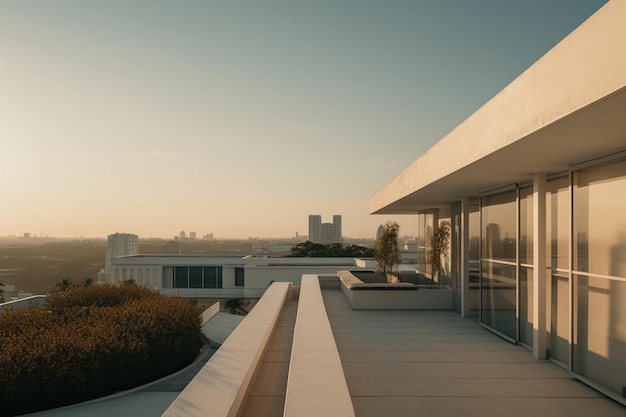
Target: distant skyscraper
[(380, 231), (325, 233), (192, 235), (172, 247), (119, 244)]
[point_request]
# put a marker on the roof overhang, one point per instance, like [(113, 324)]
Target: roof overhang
[(569, 107)]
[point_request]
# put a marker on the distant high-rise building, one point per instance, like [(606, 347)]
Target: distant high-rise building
[(325, 233), (192, 235), (172, 247), (119, 244), (182, 235), (380, 231)]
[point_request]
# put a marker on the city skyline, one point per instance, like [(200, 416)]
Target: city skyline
[(241, 119)]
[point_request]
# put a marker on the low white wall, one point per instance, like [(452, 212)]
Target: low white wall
[(422, 299), (364, 296), (210, 312), (219, 388), (316, 385), (37, 300)]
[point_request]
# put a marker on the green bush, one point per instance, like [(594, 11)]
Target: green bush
[(87, 342)]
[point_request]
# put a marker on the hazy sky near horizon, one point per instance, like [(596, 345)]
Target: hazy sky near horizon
[(241, 118)]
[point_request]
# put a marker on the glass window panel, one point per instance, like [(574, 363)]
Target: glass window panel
[(559, 317), (599, 221), (526, 285), (599, 351), (195, 277), (498, 293), (181, 277), (455, 255), (219, 277), (499, 223), (474, 259), (168, 277), (445, 277), (526, 225), (557, 223), (426, 222), (210, 277), (239, 277)]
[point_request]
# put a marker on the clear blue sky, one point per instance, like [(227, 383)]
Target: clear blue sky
[(241, 118)]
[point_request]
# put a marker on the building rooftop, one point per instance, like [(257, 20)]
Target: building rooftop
[(400, 362)]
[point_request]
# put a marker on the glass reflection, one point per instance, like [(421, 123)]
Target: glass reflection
[(557, 256), (526, 225), (600, 331), (499, 226), (426, 223), (474, 259), (599, 233), (557, 223), (526, 285), (498, 265), (599, 221), (498, 295), (558, 342)]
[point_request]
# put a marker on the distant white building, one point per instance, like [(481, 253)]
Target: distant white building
[(325, 233), (221, 276), (119, 244), (380, 231)]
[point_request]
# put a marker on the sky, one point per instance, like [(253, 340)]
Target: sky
[(241, 118)]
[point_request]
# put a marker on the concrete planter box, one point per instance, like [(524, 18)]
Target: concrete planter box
[(400, 296)]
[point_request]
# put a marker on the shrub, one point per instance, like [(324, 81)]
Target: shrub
[(87, 342)]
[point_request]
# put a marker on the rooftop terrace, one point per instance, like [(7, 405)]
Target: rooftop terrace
[(366, 363)]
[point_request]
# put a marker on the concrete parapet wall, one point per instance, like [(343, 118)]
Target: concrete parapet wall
[(37, 300), (400, 296), (219, 388), (422, 299), (329, 282), (316, 385), (210, 312)]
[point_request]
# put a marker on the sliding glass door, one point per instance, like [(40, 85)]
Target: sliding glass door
[(499, 263)]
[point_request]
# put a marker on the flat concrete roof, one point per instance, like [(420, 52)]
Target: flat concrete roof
[(566, 108)]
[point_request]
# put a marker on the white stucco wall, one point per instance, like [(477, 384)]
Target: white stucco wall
[(259, 272)]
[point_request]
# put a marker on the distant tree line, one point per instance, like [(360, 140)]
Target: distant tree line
[(309, 249), (88, 341)]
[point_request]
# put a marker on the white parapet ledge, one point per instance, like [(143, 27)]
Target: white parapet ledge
[(219, 388), (210, 312), (316, 385)]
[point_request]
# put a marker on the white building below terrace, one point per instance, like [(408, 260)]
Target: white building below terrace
[(222, 276)]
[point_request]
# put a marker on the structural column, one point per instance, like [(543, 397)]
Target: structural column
[(539, 266), (464, 254)]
